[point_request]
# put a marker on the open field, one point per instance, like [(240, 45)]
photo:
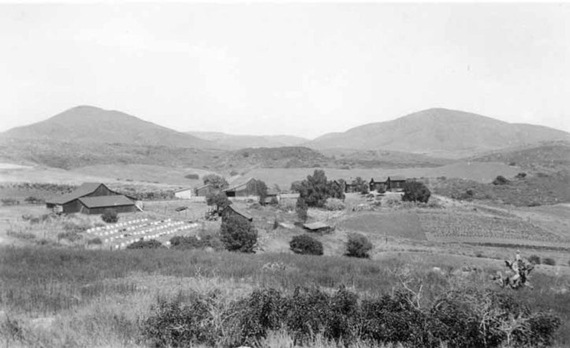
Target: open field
[(477, 171)]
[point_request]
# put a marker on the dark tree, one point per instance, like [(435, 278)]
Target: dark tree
[(220, 200), (261, 190), (306, 245), (500, 180), (315, 189), (216, 181), (238, 234), (415, 191), (358, 246), (110, 216)]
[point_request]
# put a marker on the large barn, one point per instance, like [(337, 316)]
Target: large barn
[(92, 198), (391, 183), (246, 189)]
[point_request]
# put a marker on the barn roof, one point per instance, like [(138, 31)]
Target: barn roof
[(182, 190), (243, 183), (316, 225), (83, 190), (105, 201), (240, 212)]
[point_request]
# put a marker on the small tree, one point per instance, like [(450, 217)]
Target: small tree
[(358, 246), (500, 180), (306, 245), (220, 200), (110, 216), (261, 191), (301, 209), (216, 181), (238, 234), (145, 244), (415, 191)]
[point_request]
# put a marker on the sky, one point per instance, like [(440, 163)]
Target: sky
[(302, 69)]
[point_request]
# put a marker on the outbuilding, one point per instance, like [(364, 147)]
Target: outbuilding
[(245, 189), (231, 211), (70, 202), (186, 193), (317, 227)]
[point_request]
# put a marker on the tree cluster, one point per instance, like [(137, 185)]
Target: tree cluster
[(415, 191), (238, 234), (316, 189)]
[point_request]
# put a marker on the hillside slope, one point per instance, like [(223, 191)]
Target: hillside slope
[(439, 132), (88, 124), (236, 142)]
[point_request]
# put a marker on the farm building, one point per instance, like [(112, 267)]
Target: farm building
[(246, 189), (317, 227), (70, 202), (205, 190), (273, 196), (186, 193), (391, 183), (232, 211), (98, 205)]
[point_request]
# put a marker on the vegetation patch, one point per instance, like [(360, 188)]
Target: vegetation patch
[(397, 224)]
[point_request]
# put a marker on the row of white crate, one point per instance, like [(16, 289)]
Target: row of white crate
[(116, 225), (124, 244), (135, 228), (148, 236)]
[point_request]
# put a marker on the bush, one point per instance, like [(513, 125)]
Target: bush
[(34, 200), (238, 234), (195, 242), (334, 204), (110, 216), (306, 245), (192, 176), (520, 176), (500, 180), (95, 241), (358, 246), (145, 244), (415, 191), (9, 201), (534, 259), (548, 261), (71, 236)]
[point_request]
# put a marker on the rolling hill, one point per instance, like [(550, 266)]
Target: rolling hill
[(235, 142), (439, 132), (88, 124)]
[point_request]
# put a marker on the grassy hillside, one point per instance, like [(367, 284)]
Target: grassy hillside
[(88, 124), (235, 142), (439, 132)]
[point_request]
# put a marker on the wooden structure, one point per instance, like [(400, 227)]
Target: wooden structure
[(186, 193), (233, 211), (317, 227), (83, 200), (391, 183), (246, 189), (205, 190)]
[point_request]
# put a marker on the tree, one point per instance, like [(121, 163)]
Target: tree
[(306, 245), (415, 191), (238, 234), (314, 189), (220, 200), (360, 184), (500, 180), (358, 246), (261, 190), (216, 181), (301, 209)]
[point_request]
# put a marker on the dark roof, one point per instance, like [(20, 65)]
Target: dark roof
[(316, 225), (105, 201), (397, 178), (83, 190), (244, 183), (240, 212)]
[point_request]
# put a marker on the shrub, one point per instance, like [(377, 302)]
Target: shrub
[(192, 176), (500, 180), (306, 245), (548, 261), (220, 200), (520, 176), (145, 244), (415, 191), (334, 204), (110, 216), (34, 200), (238, 234), (358, 246), (195, 242), (95, 241), (534, 259), (71, 236), (234, 173)]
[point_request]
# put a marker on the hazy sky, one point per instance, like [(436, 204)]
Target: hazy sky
[(301, 69)]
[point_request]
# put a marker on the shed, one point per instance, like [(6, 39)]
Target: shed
[(205, 190), (65, 203), (233, 211), (186, 193), (317, 227), (396, 182), (378, 185), (245, 189), (98, 205)]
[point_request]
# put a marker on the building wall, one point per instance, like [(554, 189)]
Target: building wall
[(204, 191), (101, 210), (186, 194), (72, 207)]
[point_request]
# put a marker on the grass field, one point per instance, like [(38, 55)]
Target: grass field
[(395, 224)]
